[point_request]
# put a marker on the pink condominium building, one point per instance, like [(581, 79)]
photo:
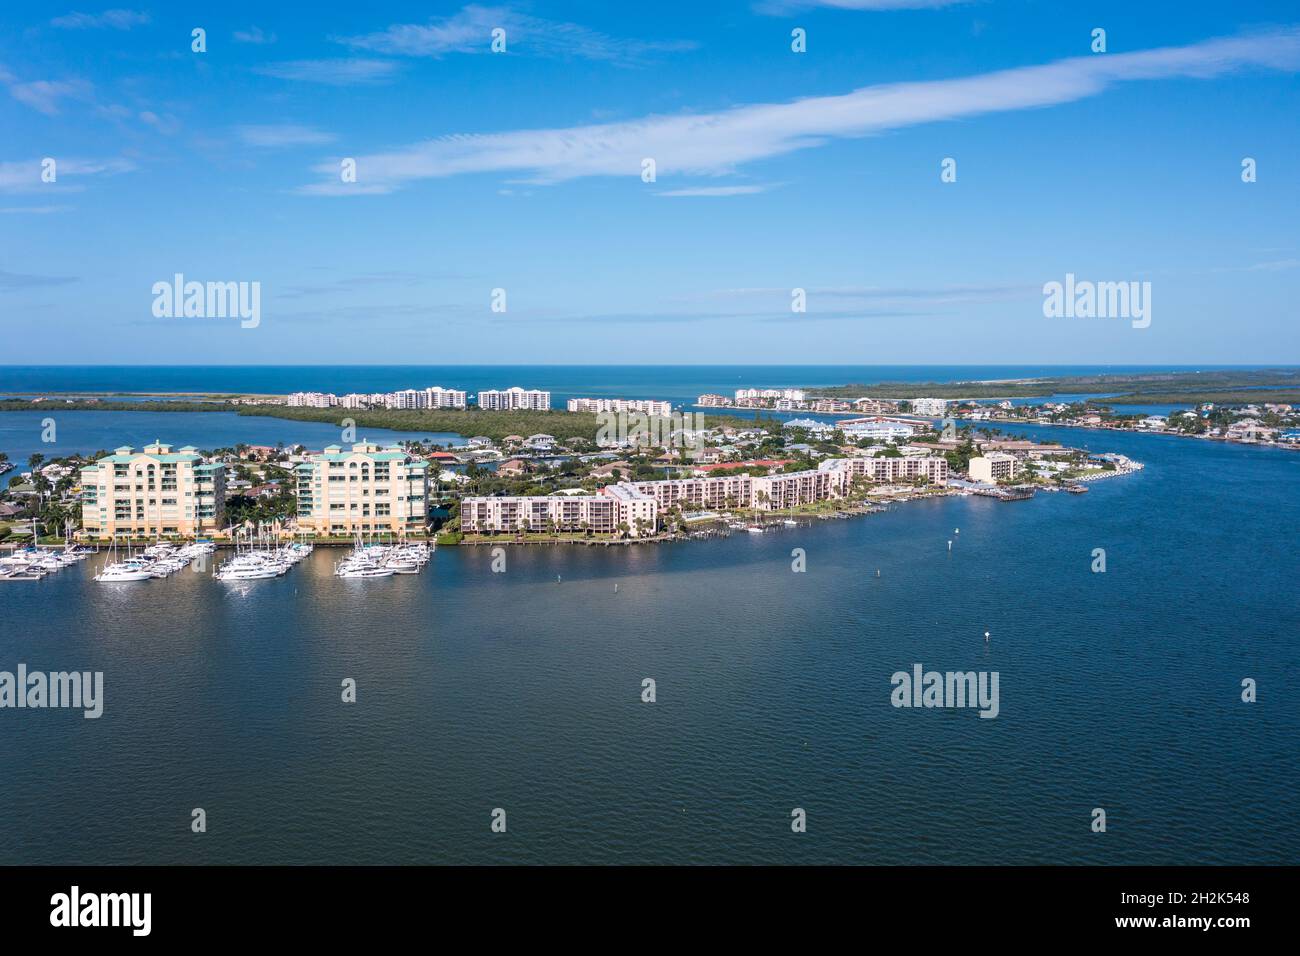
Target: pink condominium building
[(637, 504), (603, 513)]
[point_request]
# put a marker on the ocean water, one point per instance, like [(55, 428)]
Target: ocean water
[(521, 690), (674, 383)]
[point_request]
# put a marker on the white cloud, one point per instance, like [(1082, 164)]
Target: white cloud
[(116, 19), (254, 35), (470, 31), (45, 95), (718, 143), (345, 72), (280, 135), (789, 6), (715, 191), (24, 176), (20, 280), (33, 210), (165, 124)]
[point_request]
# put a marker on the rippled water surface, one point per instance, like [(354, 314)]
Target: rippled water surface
[(522, 689)]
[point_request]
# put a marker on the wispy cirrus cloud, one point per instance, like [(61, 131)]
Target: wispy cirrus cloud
[(33, 210), (780, 7), (470, 31), (367, 281), (876, 296), (281, 135), (717, 190), (254, 35), (46, 96), (19, 280), (24, 176), (109, 19), (340, 72), (1270, 265), (718, 143)]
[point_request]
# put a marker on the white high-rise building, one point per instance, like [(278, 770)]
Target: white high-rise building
[(514, 398), (648, 406), (406, 398), (936, 407), (439, 397), (312, 400)]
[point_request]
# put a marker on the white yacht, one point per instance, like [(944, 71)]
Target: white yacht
[(130, 570)]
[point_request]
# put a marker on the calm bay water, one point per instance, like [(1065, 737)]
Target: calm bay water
[(479, 690), (21, 433)]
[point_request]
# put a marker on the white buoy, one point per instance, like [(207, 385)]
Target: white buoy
[(986, 637), (950, 544), (956, 530)]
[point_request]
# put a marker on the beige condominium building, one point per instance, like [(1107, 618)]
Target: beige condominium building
[(153, 492), (604, 513), (995, 466), (885, 469), (368, 488), (626, 502)]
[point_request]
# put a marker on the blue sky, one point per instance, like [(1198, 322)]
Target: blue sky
[(775, 170)]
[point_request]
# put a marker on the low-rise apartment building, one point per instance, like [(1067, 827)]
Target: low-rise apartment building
[(366, 489), (646, 500), (886, 469), (726, 491), (153, 492), (617, 508)]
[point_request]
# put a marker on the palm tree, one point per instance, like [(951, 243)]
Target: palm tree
[(35, 461)]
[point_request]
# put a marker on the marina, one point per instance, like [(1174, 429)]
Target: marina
[(34, 563), (260, 563), (383, 560)]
